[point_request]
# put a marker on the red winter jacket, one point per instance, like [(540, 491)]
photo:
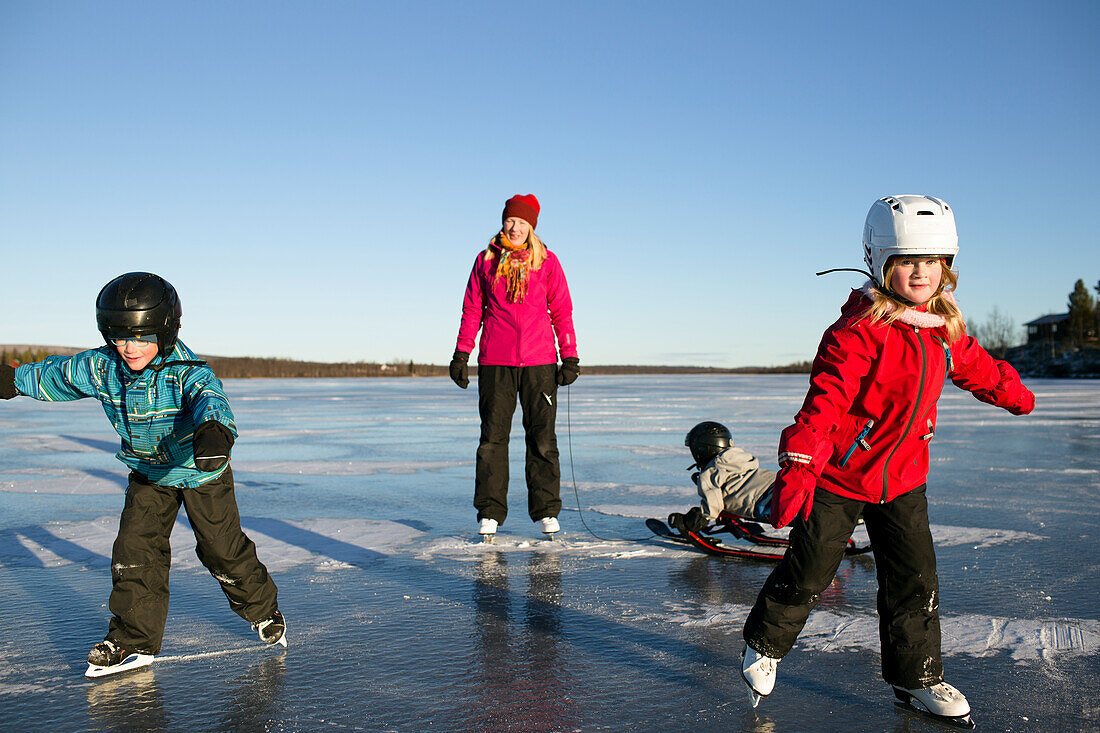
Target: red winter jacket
[(870, 412), (517, 334)]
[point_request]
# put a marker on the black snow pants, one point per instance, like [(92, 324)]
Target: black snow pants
[(142, 555), (537, 388), (908, 587)]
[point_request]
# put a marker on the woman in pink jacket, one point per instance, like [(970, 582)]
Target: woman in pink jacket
[(518, 298)]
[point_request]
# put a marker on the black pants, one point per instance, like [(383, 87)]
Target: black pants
[(142, 555), (537, 388), (908, 587)]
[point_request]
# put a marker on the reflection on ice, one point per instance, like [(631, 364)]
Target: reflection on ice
[(523, 684)]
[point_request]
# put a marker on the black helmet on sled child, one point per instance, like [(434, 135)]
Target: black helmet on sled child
[(706, 440), (139, 304)]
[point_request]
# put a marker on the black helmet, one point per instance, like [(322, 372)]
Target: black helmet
[(706, 440), (139, 304)]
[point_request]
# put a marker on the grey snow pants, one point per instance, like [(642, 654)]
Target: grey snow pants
[(141, 558)]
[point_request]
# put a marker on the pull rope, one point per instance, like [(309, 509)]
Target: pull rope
[(573, 474)]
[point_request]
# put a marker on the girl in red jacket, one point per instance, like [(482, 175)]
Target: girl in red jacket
[(859, 445), (518, 298)]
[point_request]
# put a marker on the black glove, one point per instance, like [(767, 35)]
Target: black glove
[(569, 370), (460, 370), (7, 382), (694, 521), (211, 445)]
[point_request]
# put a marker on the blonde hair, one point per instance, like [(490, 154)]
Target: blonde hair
[(538, 250), (888, 307)]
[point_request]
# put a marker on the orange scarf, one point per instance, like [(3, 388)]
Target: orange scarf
[(515, 262)]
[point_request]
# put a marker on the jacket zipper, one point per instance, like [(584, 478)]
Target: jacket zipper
[(947, 354), (859, 442), (946, 375), (912, 416)]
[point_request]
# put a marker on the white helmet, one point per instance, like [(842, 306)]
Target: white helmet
[(908, 225)]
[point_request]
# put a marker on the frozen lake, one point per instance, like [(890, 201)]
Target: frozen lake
[(358, 494)]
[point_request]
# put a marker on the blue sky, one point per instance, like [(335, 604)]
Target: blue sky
[(316, 177)]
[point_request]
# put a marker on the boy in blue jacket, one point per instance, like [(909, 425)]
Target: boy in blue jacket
[(177, 431)]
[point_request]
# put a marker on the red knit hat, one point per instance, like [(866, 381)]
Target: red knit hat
[(522, 207)]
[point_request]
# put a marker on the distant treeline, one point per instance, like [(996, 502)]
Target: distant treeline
[(802, 367), (24, 355), (233, 367), (245, 367)]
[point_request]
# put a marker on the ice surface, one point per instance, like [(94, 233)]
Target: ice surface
[(973, 635), (357, 494)]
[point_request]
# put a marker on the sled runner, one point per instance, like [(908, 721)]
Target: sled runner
[(709, 545), (741, 529)]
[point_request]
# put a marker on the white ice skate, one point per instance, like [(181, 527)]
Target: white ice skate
[(488, 530), (272, 630), (942, 702), (107, 658), (549, 525), (758, 671)]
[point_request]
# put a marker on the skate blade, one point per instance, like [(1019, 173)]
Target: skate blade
[(754, 696), (133, 661), (488, 539), (965, 722), (549, 536)]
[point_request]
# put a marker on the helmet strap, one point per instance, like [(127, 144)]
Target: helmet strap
[(845, 269)]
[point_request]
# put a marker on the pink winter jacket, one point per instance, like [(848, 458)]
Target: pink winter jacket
[(517, 334)]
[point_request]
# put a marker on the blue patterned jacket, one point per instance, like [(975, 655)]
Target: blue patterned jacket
[(155, 411)]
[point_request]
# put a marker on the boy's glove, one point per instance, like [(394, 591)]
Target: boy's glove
[(694, 521), (211, 445), (792, 494), (7, 382), (460, 369), (569, 370)]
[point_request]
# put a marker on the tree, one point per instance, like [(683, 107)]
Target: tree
[(1096, 310), (997, 333), (1082, 316)]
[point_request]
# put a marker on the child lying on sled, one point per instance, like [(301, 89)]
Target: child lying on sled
[(729, 479), (735, 493)]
